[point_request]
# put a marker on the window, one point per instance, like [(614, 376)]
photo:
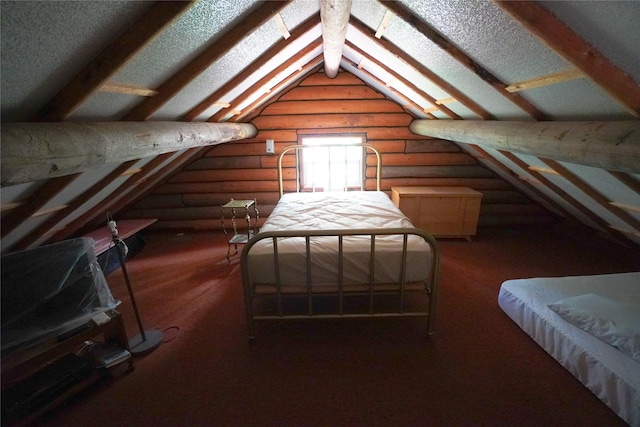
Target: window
[(332, 168)]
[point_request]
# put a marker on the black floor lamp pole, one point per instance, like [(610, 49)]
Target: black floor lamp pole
[(148, 340)]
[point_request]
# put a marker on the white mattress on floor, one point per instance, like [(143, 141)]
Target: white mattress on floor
[(338, 211), (611, 375)]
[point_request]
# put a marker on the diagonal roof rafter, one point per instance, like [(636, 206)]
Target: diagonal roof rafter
[(198, 65), (266, 79), (565, 196), (568, 44), (422, 69), (298, 33), (595, 195), (408, 103), (74, 204), (259, 104), (407, 82), (112, 58), (429, 32)]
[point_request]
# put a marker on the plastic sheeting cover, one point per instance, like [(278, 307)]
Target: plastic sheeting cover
[(50, 289)]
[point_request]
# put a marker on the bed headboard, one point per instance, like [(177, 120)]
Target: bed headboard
[(297, 149)]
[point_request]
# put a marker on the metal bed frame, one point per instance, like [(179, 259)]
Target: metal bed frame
[(339, 291)]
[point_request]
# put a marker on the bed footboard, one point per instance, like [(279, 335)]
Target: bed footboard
[(311, 295)]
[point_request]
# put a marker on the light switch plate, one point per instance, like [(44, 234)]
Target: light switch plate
[(271, 149)]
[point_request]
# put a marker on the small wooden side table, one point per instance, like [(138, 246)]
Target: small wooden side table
[(235, 208)]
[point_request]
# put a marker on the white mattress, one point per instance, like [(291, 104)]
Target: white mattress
[(337, 211), (611, 375)]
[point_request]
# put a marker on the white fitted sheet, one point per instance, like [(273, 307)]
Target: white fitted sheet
[(606, 371), (338, 211)]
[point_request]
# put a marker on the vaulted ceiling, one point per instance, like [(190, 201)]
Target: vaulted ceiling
[(487, 75)]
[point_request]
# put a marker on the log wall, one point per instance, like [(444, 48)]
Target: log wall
[(191, 198)]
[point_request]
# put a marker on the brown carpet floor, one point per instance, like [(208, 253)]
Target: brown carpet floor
[(479, 369)]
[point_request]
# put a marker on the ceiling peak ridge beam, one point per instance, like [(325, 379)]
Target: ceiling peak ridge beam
[(111, 59), (198, 65), (334, 15), (611, 145), (426, 72), (572, 47), (34, 151), (439, 40)]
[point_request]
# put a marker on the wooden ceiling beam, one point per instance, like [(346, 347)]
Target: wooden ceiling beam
[(408, 103), (34, 151), (282, 27), (627, 180), (408, 83), (40, 198), (199, 64), (534, 192), (111, 59), (588, 213), (334, 15), (607, 145), (260, 103), (298, 33), (595, 195), (549, 79), (426, 72), (572, 47), (127, 89), (382, 28), (79, 225), (438, 39), (266, 79), (72, 206), (257, 106), (150, 182)]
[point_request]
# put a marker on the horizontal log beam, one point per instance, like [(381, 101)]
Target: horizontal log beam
[(34, 151), (609, 145)]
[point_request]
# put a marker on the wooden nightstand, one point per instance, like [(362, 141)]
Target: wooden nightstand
[(441, 211)]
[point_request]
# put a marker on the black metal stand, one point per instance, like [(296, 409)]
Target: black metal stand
[(145, 341)]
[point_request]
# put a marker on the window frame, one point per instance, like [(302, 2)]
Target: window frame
[(304, 187)]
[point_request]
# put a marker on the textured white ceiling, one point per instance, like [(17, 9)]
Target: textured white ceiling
[(612, 27), (45, 43)]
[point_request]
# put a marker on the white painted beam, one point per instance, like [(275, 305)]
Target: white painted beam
[(334, 15), (39, 150), (611, 145)]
